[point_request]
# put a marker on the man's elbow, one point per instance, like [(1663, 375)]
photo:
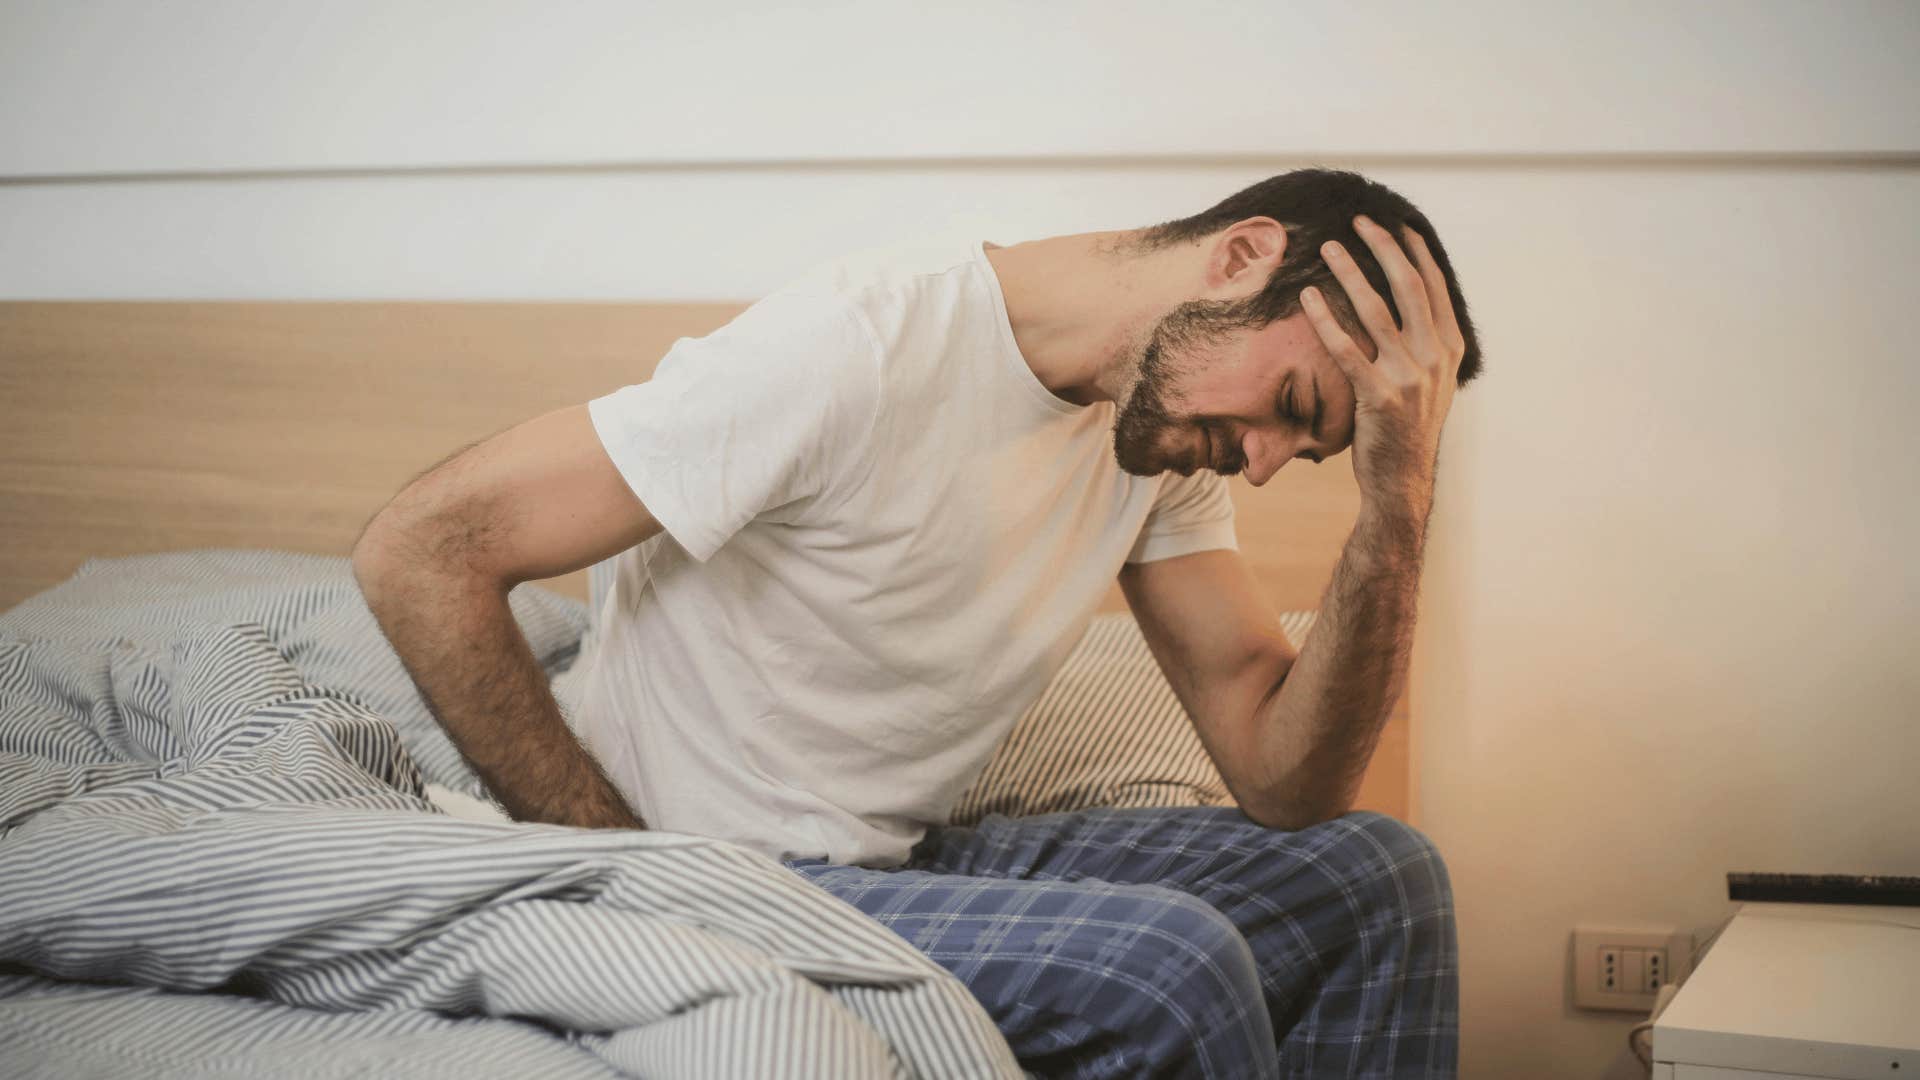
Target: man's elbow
[(384, 551), (372, 559), (402, 552)]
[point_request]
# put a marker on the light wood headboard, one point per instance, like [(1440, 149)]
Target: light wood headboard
[(138, 427)]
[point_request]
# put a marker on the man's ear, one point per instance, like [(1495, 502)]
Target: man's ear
[(1253, 246)]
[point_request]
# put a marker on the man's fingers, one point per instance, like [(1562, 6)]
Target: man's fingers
[(1440, 301), (1409, 289), (1351, 360), (1373, 311)]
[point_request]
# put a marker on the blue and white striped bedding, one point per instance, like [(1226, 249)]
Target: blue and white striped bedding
[(216, 860)]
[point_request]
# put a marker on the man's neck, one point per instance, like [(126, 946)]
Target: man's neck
[(1079, 307)]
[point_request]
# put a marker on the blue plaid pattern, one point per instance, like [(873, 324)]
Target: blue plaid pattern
[(1186, 942)]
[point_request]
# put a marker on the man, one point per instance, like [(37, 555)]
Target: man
[(859, 528)]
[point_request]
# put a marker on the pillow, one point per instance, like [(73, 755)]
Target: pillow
[(1107, 731)]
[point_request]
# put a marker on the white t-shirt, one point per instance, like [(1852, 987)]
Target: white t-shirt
[(882, 537)]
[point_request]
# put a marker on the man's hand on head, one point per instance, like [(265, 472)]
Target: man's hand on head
[(1401, 399)]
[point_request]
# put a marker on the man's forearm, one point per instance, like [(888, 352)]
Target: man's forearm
[(473, 666), (1318, 729)]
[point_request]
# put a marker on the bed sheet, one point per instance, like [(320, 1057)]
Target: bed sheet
[(217, 859)]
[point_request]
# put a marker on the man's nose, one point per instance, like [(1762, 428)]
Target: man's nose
[(1265, 456)]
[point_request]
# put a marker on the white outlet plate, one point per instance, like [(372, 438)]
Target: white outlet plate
[(1647, 956)]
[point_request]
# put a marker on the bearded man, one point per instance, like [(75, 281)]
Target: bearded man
[(857, 530)]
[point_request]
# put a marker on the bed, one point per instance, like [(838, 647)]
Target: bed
[(225, 845)]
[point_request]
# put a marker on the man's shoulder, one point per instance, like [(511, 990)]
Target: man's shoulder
[(927, 315), (882, 273)]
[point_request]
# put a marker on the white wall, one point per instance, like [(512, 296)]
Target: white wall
[(224, 84), (1668, 611)]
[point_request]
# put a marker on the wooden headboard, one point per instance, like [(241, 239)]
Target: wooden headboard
[(137, 427)]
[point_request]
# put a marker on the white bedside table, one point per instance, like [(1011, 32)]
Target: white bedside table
[(1800, 992)]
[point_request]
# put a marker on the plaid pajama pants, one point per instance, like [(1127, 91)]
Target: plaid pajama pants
[(1185, 942)]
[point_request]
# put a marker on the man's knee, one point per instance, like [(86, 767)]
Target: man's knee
[(1378, 917), (1367, 874), (1397, 864)]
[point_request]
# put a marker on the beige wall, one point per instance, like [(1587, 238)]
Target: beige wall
[(1669, 611), (1671, 605)]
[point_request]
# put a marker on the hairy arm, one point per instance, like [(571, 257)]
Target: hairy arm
[(1319, 726), (1293, 733), (1317, 729), (436, 565)]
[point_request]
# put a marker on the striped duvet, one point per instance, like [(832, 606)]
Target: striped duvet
[(216, 860)]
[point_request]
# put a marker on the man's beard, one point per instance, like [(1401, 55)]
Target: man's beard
[(1145, 416)]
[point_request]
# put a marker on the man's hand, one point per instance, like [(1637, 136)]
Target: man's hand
[(1402, 397)]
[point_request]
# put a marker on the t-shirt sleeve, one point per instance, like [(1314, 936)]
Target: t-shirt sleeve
[(770, 410), (1192, 513)]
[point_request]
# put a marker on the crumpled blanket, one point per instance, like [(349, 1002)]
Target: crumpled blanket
[(216, 859)]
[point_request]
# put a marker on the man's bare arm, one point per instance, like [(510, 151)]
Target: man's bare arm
[(1292, 733), (1222, 649), (1317, 729), (1316, 732), (436, 564)]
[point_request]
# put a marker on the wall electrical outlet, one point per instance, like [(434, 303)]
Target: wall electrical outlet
[(1625, 967), (1610, 964)]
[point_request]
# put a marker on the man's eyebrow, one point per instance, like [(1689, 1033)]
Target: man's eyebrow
[(1319, 406)]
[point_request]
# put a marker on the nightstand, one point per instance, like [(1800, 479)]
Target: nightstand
[(1800, 992)]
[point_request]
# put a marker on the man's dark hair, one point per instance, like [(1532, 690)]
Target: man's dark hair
[(1315, 206)]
